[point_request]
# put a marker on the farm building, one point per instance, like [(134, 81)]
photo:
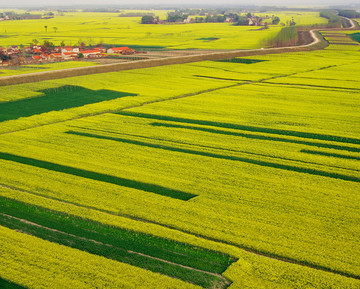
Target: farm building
[(121, 50), (91, 53)]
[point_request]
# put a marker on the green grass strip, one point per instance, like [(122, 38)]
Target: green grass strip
[(355, 36), (192, 264), (4, 284)]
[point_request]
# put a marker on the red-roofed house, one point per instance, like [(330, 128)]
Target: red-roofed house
[(45, 57), (101, 49), (37, 57), (120, 50), (56, 56), (70, 49), (69, 55), (91, 53)]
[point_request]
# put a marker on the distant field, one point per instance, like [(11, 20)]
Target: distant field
[(300, 18), (217, 174), (14, 70), (93, 28)]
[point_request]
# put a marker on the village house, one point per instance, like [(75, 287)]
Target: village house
[(121, 50), (70, 49), (37, 58), (69, 55), (91, 53), (101, 49), (43, 54), (13, 50), (189, 19)]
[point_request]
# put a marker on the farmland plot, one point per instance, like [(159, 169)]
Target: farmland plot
[(109, 28), (239, 174)]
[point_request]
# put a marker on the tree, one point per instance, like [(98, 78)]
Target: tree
[(349, 13), (35, 41), (62, 44), (234, 17), (292, 22), (220, 18), (242, 21), (147, 19), (45, 28), (276, 20), (47, 44), (80, 55), (199, 19), (248, 15), (55, 29), (4, 57)]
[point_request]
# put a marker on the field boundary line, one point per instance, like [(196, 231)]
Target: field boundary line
[(245, 248)]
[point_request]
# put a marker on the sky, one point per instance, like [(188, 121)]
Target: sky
[(290, 3)]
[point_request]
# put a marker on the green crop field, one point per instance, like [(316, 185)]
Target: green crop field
[(109, 28), (218, 174), (23, 69)]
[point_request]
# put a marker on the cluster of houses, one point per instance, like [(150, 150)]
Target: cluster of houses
[(41, 54)]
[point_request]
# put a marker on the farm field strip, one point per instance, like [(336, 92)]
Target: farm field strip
[(157, 255), (108, 28), (263, 162), (58, 93), (24, 69), (248, 146), (107, 145), (176, 274), (85, 132), (99, 177), (24, 253), (329, 278)]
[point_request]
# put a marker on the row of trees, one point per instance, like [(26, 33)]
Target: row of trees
[(180, 16), (149, 19), (349, 13), (333, 19)]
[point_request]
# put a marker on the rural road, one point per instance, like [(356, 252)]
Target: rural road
[(73, 72)]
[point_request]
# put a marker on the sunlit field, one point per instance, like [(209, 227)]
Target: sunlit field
[(240, 173), (251, 165), (109, 28)]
